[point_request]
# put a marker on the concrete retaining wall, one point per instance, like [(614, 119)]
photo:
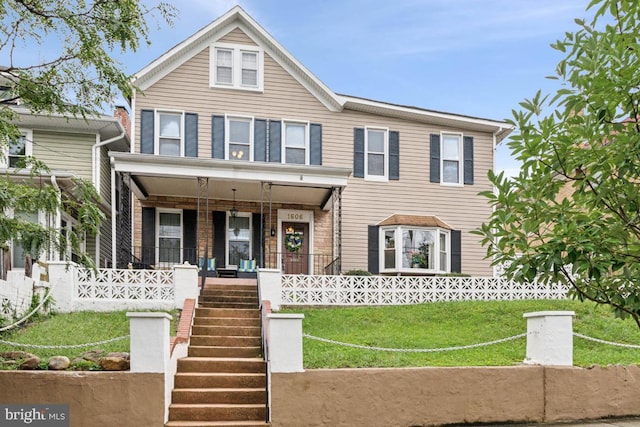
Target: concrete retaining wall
[(436, 396), (96, 399)]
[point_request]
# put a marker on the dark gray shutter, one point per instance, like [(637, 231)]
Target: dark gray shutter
[(219, 236), (315, 143), (468, 159), (147, 127), (456, 251), (275, 141), (217, 137), (256, 224), (260, 140), (394, 155), (191, 135), (358, 152), (434, 153), (189, 241), (148, 251), (373, 258)]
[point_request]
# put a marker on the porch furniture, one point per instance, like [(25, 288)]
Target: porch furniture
[(228, 272), (211, 266)]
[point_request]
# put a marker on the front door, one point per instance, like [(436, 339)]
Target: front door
[(295, 247)]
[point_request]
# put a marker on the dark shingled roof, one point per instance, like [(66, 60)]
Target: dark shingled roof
[(416, 220)]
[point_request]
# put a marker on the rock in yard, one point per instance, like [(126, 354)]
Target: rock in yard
[(93, 355), (122, 354), (114, 364), (58, 363), (30, 363)]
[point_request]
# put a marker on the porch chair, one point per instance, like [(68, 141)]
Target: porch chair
[(247, 268), (211, 265)]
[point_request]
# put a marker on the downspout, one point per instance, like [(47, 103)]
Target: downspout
[(95, 175)]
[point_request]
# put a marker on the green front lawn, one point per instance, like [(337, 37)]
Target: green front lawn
[(449, 324)]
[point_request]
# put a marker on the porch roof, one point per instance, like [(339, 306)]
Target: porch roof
[(170, 176)]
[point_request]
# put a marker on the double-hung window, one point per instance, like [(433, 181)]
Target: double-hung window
[(451, 158), (240, 138), (296, 143), (376, 153), (170, 134), (169, 236), (236, 66), (18, 150)]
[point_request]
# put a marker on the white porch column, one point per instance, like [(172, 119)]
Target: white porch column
[(62, 275), (550, 338), (285, 342), (186, 283), (270, 282)]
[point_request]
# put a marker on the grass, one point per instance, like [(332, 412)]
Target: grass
[(73, 328), (448, 324)]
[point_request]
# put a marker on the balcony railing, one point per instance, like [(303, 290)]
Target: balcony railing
[(302, 263), (142, 257)]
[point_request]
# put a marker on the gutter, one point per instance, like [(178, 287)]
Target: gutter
[(95, 157)]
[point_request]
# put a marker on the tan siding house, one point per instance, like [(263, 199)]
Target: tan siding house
[(241, 154)]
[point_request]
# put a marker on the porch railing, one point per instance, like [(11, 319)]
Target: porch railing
[(302, 263), (144, 257)]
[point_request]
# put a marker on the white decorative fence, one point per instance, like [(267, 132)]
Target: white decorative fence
[(135, 285), (394, 290)]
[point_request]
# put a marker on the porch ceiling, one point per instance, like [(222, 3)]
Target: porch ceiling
[(177, 177)]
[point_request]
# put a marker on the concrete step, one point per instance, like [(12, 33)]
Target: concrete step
[(240, 292), (219, 380), (217, 412), (217, 423), (240, 305), (229, 298), (227, 321), (227, 331), (219, 395), (221, 364), (228, 341), (252, 313), (224, 351)]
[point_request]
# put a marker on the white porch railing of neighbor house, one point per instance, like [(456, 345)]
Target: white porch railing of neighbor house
[(394, 290)]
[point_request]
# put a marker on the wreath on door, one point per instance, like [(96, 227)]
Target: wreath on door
[(293, 241)]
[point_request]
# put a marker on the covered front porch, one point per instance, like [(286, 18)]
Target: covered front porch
[(226, 216)]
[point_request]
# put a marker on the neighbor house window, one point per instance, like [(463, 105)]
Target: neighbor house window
[(451, 158), (424, 250), (67, 252), (17, 150), (296, 143), (239, 238), (170, 134), (169, 237), (376, 152), (236, 66), (239, 138)]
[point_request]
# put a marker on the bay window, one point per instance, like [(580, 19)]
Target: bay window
[(418, 249)]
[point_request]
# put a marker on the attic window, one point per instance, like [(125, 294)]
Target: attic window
[(236, 66)]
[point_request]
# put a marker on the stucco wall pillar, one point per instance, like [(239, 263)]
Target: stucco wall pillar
[(62, 276), (186, 283), (550, 338), (285, 342), (270, 282)]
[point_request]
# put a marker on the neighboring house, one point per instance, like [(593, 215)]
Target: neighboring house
[(71, 148), (239, 152)]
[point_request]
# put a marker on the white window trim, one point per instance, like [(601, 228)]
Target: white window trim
[(380, 178), (398, 229), (157, 237), (307, 137), (28, 137), (226, 236), (236, 66), (10, 213), (460, 182), (227, 134), (71, 223), (156, 130)]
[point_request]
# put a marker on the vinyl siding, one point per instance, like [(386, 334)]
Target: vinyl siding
[(364, 202), (65, 151)]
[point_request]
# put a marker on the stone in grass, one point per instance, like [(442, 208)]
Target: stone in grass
[(93, 355), (121, 354), (30, 363), (58, 363), (15, 355), (114, 363)]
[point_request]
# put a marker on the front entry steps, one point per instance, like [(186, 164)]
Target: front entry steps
[(222, 381)]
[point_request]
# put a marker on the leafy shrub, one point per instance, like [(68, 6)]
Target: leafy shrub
[(357, 272)]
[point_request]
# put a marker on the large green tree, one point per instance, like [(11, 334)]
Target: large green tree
[(572, 215), (59, 57)]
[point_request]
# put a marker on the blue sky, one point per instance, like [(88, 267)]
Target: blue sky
[(472, 57)]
